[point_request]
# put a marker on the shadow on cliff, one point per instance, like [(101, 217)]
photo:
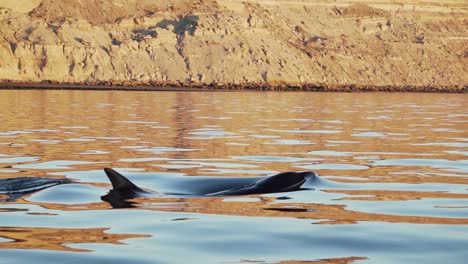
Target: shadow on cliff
[(181, 25)]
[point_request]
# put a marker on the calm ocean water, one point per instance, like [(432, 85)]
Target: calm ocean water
[(392, 188)]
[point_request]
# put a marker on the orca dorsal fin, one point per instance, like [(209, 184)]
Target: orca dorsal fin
[(119, 182)]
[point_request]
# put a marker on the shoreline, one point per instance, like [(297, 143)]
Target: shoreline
[(169, 86)]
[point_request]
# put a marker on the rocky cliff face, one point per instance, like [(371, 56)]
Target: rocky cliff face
[(330, 44)]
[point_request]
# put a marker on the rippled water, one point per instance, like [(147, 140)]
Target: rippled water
[(393, 177)]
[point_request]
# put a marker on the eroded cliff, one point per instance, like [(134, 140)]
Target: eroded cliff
[(345, 43)]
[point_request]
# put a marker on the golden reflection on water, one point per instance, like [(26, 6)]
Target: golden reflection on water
[(386, 195), (268, 207), (106, 128), (326, 261), (57, 238)]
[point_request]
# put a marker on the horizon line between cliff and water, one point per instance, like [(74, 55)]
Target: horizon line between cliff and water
[(219, 87)]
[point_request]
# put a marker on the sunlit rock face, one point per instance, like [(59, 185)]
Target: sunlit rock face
[(21, 6), (235, 43)]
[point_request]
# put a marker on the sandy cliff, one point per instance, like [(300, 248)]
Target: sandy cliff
[(330, 44)]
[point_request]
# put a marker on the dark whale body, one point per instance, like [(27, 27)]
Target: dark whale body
[(123, 189), (15, 188)]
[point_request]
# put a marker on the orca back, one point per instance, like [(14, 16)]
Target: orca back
[(283, 182)]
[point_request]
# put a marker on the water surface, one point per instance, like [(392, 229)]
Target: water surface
[(393, 172)]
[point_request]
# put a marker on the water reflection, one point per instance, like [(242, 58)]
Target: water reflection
[(58, 238), (383, 158), (326, 261), (285, 206)]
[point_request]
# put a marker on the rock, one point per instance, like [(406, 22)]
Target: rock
[(233, 45), (201, 77), (22, 6)]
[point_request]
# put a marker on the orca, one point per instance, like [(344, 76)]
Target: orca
[(124, 190), (15, 188)]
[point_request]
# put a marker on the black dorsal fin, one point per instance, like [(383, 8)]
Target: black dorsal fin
[(119, 182)]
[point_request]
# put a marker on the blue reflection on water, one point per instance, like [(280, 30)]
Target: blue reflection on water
[(274, 239)]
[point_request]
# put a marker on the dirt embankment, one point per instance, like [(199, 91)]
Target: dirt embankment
[(317, 45)]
